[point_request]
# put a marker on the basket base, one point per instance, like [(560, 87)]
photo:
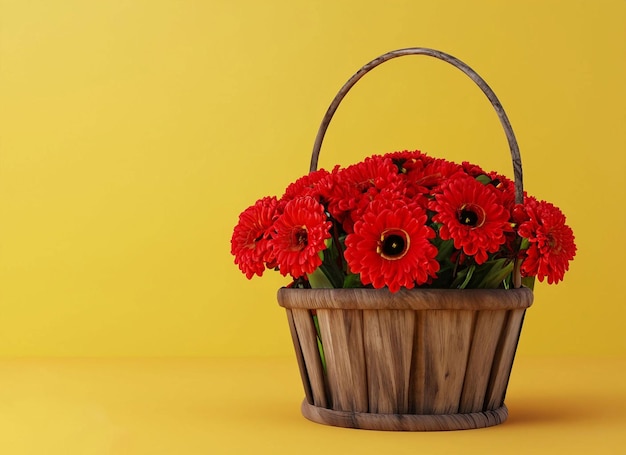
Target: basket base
[(404, 422)]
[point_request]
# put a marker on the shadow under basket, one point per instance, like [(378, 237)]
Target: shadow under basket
[(415, 360)]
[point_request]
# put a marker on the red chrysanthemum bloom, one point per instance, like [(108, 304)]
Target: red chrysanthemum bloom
[(505, 186), (409, 162), (551, 241), (299, 236), (307, 185), (400, 192), (357, 185), (472, 169), (498, 181), (249, 242), (472, 214), (390, 246), (434, 174)]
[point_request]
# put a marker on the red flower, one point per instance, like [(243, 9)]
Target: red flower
[(390, 246), (409, 162), (357, 185), (249, 243), (307, 185), (472, 169), (384, 218), (472, 214), (434, 174), (505, 186), (551, 241), (299, 236)]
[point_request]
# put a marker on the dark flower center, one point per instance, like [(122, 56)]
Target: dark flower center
[(471, 215), (468, 218), (555, 246), (299, 239), (364, 186), (399, 163), (251, 241), (393, 244)]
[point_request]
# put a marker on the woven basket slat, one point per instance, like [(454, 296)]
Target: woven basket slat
[(307, 339), (342, 338), (504, 356), (388, 353), (483, 348), (445, 342)]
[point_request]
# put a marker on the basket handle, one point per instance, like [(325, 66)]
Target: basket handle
[(508, 130)]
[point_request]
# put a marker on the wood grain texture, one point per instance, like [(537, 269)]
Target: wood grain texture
[(404, 422), (487, 327), (388, 352), (342, 338), (406, 299), (445, 346), (412, 368), (306, 383), (503, 359), (307, 337)]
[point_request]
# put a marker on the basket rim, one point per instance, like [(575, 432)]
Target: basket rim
[(405, 299)]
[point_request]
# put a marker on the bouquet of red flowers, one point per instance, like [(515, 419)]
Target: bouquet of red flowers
[(404, 220)]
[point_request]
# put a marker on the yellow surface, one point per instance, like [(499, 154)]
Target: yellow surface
[(133, 133), (251, 406)]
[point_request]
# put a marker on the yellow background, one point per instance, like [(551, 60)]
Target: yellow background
[(133, 133)]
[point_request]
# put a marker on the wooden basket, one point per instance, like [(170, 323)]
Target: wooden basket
[(415, 360)]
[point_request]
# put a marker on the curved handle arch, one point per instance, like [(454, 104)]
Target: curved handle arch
[(508, 130)]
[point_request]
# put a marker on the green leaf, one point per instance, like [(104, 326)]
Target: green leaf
[(495, 274), (319, 280), (444, 250), (352, 281), (525, 244), (320, 347), (529, 282), (468, 277), (459, 278)]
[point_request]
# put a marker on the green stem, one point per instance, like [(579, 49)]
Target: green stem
[(468, 277)]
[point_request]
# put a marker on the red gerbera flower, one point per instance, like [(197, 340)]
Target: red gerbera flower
[(551, 241), (472, 169), (390, 246), (408, 162), (307, 185), (299, 236), (505, 186), (357, 185), (249, 243), (435, 173), (373, 172), (472, 214)]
